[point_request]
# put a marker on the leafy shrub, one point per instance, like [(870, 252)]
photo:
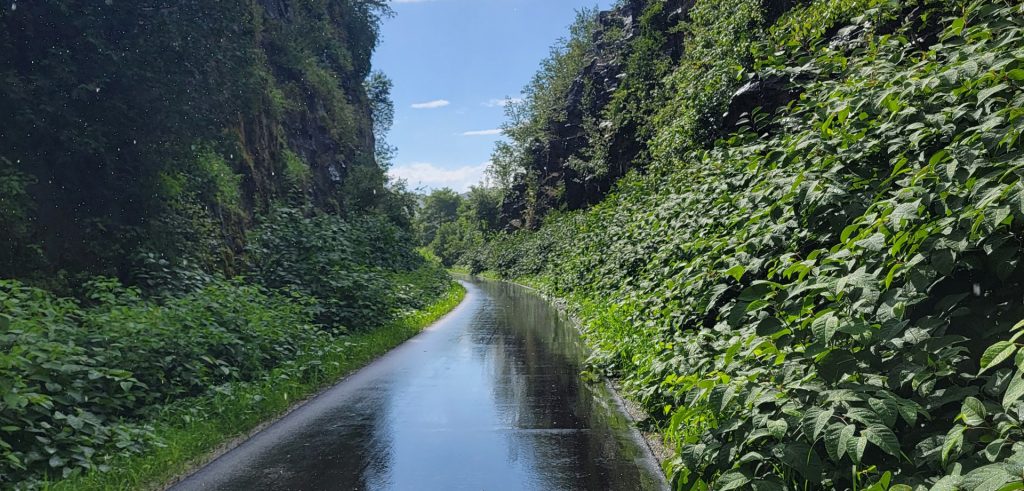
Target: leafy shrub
[(16, 211), (717, 49), (453, 239), (79, 379), (344, 266), (834, 304), (73, 377)]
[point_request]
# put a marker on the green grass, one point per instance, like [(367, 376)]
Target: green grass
[(190, 434)]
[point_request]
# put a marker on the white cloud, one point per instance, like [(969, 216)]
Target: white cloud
[(482, 133), (503, 102), (431, 104), (430, 176)]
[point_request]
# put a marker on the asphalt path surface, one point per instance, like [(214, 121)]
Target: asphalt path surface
[(488, 398)]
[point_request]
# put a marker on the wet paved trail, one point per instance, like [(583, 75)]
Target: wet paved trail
[(488, 398)]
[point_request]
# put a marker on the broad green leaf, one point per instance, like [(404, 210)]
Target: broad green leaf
[(953, 443), (815, 421), (736, 272), (875, 242), (766, 485), (904, 212), (884, 439), (825, 327), (731, 480), (848, 232), (989, 92), (957, 27), (996, 354), (804, 459), (56, 461), (973, 412), (837, 364), (887, 409), (777, 428), (882, 484), (836, 436), (909, 412), (1014, 391), (947, 483), (866, 417), (855, 446), (727, 395), (988, 478), (992, 450), (943, 261)]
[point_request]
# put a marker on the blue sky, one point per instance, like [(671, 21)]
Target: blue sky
[(453, 62)]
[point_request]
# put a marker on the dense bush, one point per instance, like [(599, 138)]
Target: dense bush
[(453, 239), (72, 374), (450, 225), (79, 380), (831, 302), (345, 266)]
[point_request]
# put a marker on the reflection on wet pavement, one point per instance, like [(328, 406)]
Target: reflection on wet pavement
[(487, 399)]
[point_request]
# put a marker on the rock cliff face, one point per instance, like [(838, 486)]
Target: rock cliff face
[(329, 130), (559, 184), (167, 130), (609, 106)]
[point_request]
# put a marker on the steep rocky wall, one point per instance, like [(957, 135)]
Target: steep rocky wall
[(609, 108), (556, 183), (165, 130)]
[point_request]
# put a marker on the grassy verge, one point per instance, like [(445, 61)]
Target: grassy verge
[(190, 434)]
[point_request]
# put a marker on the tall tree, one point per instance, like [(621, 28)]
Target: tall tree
[(439, 207)]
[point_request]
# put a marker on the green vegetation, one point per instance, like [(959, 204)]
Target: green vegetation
[(188, 432), (85, 381), (824, 294), (345, 266), (134, 131), (449, 225), (197, 228)]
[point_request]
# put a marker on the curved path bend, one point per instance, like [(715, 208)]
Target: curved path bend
[(488, 398)]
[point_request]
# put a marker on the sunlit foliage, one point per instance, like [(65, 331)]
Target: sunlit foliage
[(828, 297)]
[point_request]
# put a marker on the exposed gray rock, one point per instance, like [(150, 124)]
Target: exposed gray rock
[(768, 93), (847, 37)]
